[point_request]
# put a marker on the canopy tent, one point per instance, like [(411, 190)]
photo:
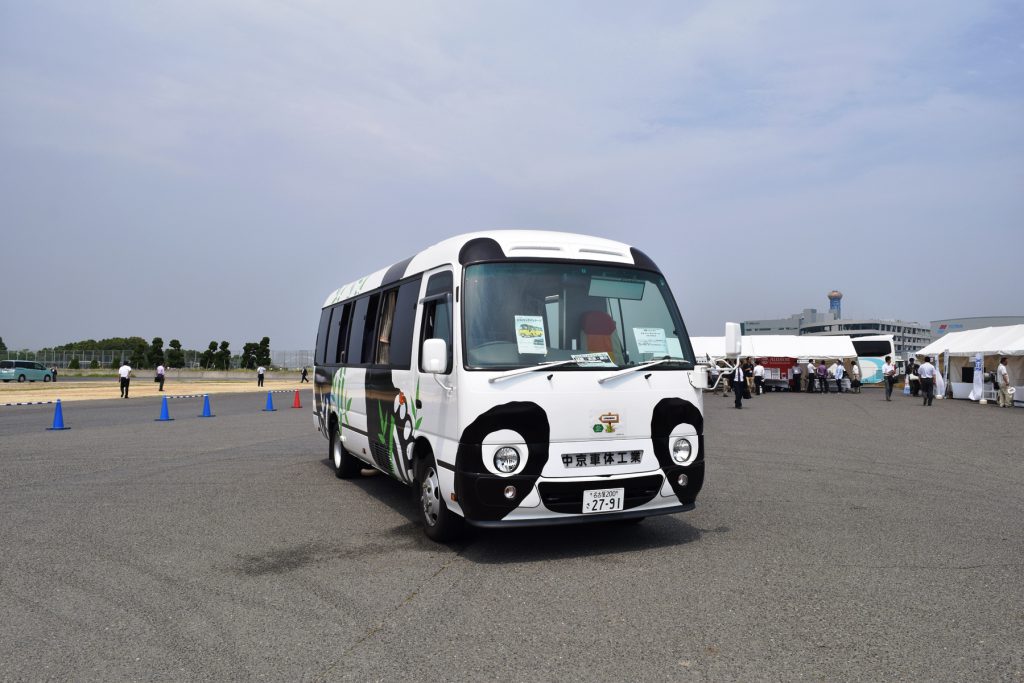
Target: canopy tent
[(989, 341), (778, 346), (992, 343)]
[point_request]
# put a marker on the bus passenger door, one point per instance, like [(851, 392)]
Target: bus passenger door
[(435, 416)]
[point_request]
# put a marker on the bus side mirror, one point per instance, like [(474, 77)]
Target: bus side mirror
[(434, 358), (733, 340), (699, 378)]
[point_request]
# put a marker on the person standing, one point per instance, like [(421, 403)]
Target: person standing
[(260, 371), (811, 369), (888, 376), (161, 372), (855, 376), (797, 371), (822, 377), (305, 375), (124, 373), (1003, 376), (738, 385), (748, 375), (912, 378), (758, 377), (54, 371), (839, 374), (926, 375)]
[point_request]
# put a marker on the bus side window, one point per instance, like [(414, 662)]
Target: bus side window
[(321, 336), (354, 346), (402, 328), (387, 320), (369, 339), (437, 314), (341, 333)]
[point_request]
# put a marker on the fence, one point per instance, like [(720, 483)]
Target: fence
[(112, 359)]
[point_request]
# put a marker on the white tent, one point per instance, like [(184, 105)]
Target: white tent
[(992, 343), (779, 346)]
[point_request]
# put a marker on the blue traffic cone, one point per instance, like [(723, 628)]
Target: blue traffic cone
[(206, 406), (270, 404), (58, 419), (164, 413)]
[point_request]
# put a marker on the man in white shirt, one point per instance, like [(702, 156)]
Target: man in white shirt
[(797, 371), (260, 371), (811, 369), (926, 373), (161, 375), (855, 376), (758, 377), (1003, 376), (125, 375), (888, 376), (838, 374)]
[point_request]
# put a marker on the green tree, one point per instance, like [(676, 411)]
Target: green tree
[(250, 355), (139, 354), (94, 364), (263, 356), (208, 355), (73, 365), (175, 358), (155, 354), (3, 347), (224, 357)]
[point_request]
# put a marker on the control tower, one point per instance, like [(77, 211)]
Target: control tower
[(835, 304)]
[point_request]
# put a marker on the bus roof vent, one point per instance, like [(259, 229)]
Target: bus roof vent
[(602, 252)]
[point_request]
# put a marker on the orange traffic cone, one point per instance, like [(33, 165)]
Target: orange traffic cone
[(296, 403)]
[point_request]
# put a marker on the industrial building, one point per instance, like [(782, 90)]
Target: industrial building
[(908, 337), (941, 327)]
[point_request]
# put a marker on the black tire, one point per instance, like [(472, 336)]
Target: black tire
[(21, 378), (439, 523), (46, 378), (344, 464)]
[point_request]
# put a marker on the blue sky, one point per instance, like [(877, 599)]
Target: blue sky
[(212, 170)]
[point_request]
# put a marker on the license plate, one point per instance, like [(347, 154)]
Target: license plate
[(603, 500)]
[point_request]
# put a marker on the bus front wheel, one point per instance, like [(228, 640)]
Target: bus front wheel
[(439, 523)]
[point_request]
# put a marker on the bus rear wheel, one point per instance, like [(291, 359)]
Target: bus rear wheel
[(344, 464), (439, 523)]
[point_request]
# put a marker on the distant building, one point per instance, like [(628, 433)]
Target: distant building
[(941, 327), (790, 325), (908, 337)]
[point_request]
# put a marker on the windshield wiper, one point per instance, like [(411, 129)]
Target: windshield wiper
[(648, 364), (522, 371)]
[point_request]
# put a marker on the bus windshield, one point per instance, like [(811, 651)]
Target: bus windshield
[(518, 315)]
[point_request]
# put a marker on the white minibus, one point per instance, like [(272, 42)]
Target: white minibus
[(515, 378)]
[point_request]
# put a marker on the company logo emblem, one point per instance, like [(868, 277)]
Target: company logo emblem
[(607, 423)]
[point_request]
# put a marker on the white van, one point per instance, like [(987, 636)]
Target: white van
[(515, 378)]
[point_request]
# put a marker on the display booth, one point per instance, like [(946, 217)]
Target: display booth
[(959, 349), (779, 353)]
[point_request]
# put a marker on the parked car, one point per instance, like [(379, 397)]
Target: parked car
[(23, 370)]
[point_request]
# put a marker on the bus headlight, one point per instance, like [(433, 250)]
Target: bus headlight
[(506, 459), (681, 450)]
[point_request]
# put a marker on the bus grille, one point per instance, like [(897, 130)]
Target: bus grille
[(567, 496)]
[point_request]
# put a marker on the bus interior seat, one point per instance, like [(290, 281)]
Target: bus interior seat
[(599, 334)]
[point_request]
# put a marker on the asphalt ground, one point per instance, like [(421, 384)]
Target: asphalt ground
[(838, 537)]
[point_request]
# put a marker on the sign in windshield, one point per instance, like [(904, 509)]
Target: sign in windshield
[(522, 314)]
